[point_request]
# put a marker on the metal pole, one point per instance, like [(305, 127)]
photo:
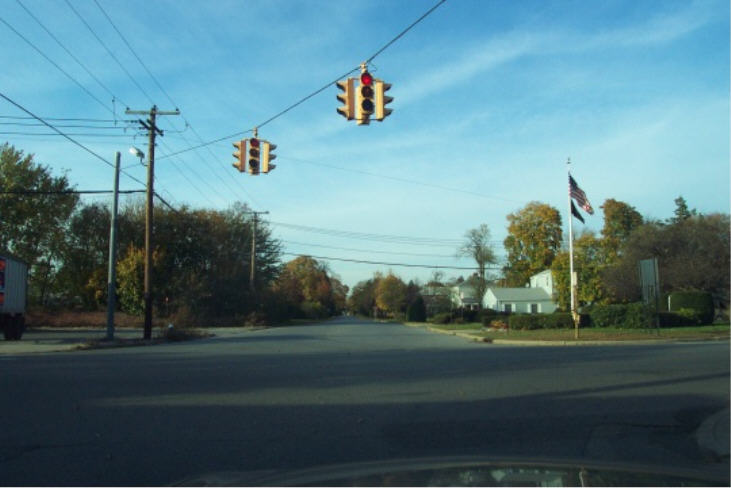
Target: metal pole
[(112, 274), (148, 225), (252, 272), (572, 284)]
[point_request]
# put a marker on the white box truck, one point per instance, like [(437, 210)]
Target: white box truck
[(13, 296)]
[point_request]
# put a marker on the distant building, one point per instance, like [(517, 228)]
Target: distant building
[(464, 296), (437, 299), (537, 297)]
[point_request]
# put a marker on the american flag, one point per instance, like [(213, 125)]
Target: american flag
[(578, 194)]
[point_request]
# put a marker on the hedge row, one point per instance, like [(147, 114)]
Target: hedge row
[(692, 304)]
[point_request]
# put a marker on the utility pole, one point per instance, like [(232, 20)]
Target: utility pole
[(112, 274), (152, 132), (252, 272)]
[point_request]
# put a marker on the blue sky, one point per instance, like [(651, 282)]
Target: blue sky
[(490, 99)]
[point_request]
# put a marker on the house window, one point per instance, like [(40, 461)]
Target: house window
[(507, 307), (533, 308)]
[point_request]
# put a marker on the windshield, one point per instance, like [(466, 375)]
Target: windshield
[(321, 242)]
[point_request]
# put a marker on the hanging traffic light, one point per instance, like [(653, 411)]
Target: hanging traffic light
[(348, 98), (382, 99), (364, 103), (254, 156), (240, 155), (267, 156)]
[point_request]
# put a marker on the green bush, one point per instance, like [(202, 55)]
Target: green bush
[(442, 318), (675, 319), (541, 321), (698, 301), (416, 311), (622, 316)]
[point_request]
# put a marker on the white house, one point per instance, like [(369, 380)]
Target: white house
[(537, 297), (544, 280), (465, 296)]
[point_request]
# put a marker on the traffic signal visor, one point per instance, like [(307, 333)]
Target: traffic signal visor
[(382, 99), (347, 98), (240, 155), (267, 156)]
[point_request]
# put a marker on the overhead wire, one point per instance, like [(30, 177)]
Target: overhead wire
[(319, 90), (74, 141), (167, 95), (393, 239), (399, 179), (109, 51), (57, 66), (381, 263), (78, 61)]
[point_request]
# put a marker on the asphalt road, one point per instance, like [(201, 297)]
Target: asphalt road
[(348, 391)]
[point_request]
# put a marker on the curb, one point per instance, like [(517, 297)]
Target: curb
[(580, 342)]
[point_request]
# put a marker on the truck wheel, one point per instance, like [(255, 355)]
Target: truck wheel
[(8, 331)]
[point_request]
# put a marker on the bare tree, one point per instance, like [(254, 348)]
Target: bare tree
[(477, 245)]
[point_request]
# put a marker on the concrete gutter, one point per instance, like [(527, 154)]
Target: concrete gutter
[(580, 342)]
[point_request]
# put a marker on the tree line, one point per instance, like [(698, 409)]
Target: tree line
[(201, 258), (692, 251)]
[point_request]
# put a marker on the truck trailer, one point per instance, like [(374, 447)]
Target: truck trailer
[(13, 296)]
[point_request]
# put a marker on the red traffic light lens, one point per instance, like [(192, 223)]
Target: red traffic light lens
[(366, 78), (254, 142)]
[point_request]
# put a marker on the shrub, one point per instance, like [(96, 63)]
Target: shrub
[(524, 322), (416, 312), (561, 320), (699, 301), (623, 316), (675, 319), (442, 318)]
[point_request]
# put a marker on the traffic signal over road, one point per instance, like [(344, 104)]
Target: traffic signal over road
[(267, 156), (364, 103), (347, 98), (254, 156), (240, 155), (382, 99)]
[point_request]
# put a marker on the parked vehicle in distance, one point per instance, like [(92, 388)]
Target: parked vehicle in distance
[(13, 296)]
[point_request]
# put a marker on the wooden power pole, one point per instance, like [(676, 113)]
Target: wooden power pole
[(152, 131)]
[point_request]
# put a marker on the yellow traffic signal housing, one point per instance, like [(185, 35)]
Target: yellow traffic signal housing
[(347, 98), (240, 155), (254, 156), (364, 105), (267, 156), (382, 99)]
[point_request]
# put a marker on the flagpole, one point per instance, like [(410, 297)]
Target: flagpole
[(572, 284)]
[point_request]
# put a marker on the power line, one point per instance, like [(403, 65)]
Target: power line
[(109, 51), (67, 119), (74, 141), (162, 89), (57, 66), (388, 44), (68, 51), (66, 192), (394, 239), (380, 263), (401, 180), (75, 134), (371, 251), (316, 92)]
